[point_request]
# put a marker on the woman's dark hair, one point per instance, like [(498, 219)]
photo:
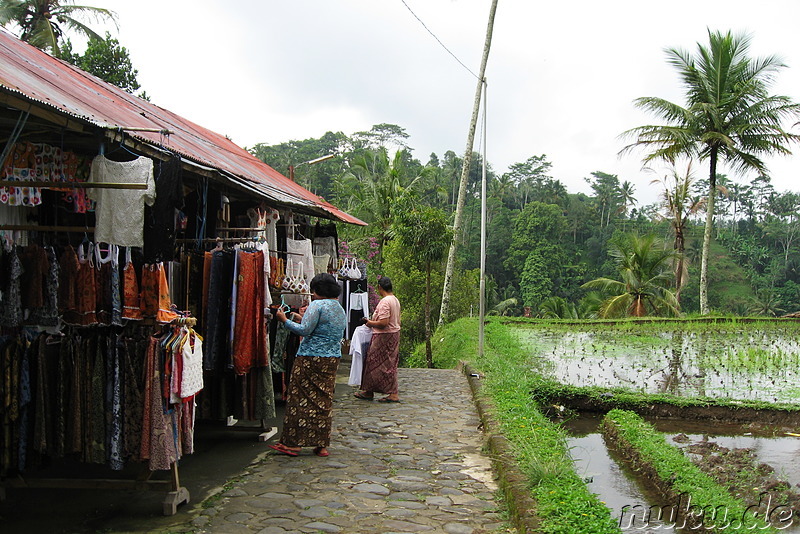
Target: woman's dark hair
[(325, 285), (386, 283)]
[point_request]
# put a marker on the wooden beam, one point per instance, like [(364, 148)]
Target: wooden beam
[(61, 119), (72, 185)]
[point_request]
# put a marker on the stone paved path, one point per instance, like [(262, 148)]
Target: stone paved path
[(414, 466)]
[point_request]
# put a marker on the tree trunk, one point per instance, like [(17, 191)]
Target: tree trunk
[(680, 246), (462, 189), (428, 348), (712, 188)]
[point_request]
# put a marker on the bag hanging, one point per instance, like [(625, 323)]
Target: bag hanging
[(277, 279), (352, 272), (302, 285), (287, 276), (343, 270)]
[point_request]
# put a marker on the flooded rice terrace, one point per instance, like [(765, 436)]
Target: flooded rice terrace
[(620, 488), (735, 362)]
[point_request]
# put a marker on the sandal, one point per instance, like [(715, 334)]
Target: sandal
[(283, 449), (387, 399), (321, 451), (361, 396)]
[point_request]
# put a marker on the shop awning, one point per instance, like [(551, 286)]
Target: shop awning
[(31, 80)]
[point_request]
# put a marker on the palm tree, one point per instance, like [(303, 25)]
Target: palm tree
[(766, 302), (373, 187), (557, 308), (729, 114), (626, 195), (679, 204), (43, 22), (644, 266)]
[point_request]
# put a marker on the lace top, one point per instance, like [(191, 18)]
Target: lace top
[(322, 329), (120, 212)]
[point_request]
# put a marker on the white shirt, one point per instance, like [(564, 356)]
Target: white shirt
[(120, 212)]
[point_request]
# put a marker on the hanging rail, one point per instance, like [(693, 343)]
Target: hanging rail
[(37, 228), (72, 185)]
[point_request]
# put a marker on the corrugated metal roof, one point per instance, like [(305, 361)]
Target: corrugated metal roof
[(37, 76)]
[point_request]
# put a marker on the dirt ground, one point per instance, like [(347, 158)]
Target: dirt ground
[(742, 474)]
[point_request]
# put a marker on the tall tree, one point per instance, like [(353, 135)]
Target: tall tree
[(462, 190), (373, 187), (607, 194), (627, 196), (425, 233), (536, 254), (42, 23), (729, 114), (317, 177), (679, 204), (106, 59), (783, 224)]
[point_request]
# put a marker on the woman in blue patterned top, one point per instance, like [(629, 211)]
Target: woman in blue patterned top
[(307, 421)]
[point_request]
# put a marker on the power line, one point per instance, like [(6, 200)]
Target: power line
[(438, 40)]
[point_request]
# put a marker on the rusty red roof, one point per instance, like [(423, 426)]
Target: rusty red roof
[(37, 76)]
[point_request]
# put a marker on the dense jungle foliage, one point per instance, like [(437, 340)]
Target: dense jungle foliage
[(544, 242)]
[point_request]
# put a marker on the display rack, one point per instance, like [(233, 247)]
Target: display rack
[(175, 493)]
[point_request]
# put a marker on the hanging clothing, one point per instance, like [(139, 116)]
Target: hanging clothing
[(194, 285), (67, 285), (131, 308), (120, 212), (300, 252), (16, 215), (249, 345), (326, 245), (155, 294), (114, 419), (10, 293), (103, 282), (217, 349), (35, 268), (192, 375), (357, 307), (271, 217), (159, 219), (86, 286), (159, 438), (321, 263), (133, 364), (47, 315), (359, 345)]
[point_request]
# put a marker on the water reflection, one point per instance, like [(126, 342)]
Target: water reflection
[(618, 487), (735, 364)]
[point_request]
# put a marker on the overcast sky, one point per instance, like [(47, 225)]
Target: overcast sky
[(562, 75)]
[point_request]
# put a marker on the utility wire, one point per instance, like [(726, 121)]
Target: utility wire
[(438, 40)]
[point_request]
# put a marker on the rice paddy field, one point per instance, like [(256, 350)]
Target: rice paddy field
[(746, 361)]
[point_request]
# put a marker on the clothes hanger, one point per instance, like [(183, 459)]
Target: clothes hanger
[(285, 308), (121, 146)]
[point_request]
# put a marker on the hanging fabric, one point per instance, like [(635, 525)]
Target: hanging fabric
[(120, 212), (131, 308), (159, 218)]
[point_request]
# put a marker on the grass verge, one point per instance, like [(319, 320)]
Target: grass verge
[(561, 502)]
